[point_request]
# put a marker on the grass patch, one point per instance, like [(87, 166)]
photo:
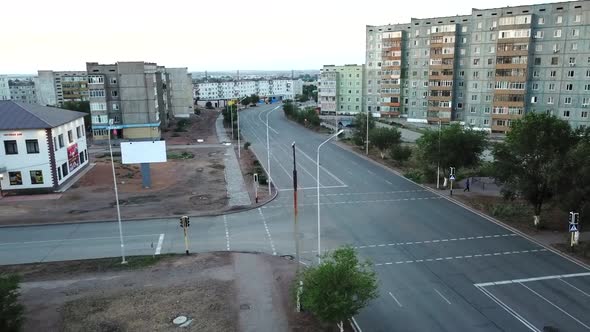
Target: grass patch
[(42, 270), (183, 155)]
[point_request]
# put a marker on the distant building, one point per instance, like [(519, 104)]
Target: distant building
[(277, 89), (4, 88), (181, 92), (57, 87), (131, 94), (41, 147), (340, 90), (23, 91)]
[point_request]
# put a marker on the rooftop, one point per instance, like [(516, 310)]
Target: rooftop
[(15, 115)]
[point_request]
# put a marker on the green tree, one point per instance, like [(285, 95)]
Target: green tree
[(460, 147), (80, 106), (339, 287), (208, 105), (254, 99), (384, 139), (245, 101), (400, 153), (530, 162), (359, 134), (11, 312)]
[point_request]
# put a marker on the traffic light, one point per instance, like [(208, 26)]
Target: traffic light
[(184, 221), (576, 217), (188, 221), (570, 217)]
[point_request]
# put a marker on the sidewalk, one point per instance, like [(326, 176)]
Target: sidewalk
[(236, 187)]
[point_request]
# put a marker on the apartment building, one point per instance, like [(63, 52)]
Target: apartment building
[(278, 89), (181, 92), (341, 89), (4, 88), (57, 87), (485, 69), (131, 94), (22, 90)]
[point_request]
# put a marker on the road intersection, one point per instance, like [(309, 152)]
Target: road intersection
[(441, 267)]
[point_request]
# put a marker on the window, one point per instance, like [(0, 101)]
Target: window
[(10, 147), (550, 100), (116, 106), (554, 61), (578, 18), (486, 121), (533, 100), (566, 114), (490, 61), (55, 144), (36, 177), (557, 33), (64, 169), (559, 19), (96, 93), (541, 20), (588, 73), (32, 146), (537, 61), (587, 87), (535, 86), (78, 135), (551, 86), (70, 137), (535, 73), (60, 138), (476, 62), (59, 173), (584, 114), (570, 73), (113, 80), (539, 34), (15, 178), (473, 97), (553, 73), (539, 47), (575, 32), (567, 100), (569, 87)]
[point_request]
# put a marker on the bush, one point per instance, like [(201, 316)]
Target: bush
[(400, 153), (415, 175), (247, 145), (11, 312)]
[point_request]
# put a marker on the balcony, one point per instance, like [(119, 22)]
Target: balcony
[(440, 88), (440, 98), (512, 52), (506, 116), (389, 114), (520, 78), (390, 104), (511, 66), (500, 103), (500, 129)]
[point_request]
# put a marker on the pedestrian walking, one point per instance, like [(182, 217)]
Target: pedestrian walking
[(466, 186)]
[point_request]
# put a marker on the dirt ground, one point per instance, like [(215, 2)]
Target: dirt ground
[(179, 186), (201, 127), (70, 296)]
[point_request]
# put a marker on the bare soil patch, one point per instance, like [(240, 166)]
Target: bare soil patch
[(71, 296), (199, 127)]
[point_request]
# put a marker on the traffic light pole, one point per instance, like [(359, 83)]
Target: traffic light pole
[(185, 223), (295, 224)]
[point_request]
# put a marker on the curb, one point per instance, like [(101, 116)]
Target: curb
[(472, 210)]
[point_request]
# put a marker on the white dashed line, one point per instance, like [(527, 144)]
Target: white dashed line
[(159, 246), (272, 244), (226, 233), (444, 298), (458, 257), (396, 301)]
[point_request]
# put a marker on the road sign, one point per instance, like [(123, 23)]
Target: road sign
[(452, 177), (573, 228)]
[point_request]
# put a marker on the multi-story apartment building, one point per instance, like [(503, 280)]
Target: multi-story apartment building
[(279, 89), (4, 88), (132, 94), (57, 87), (341, 89), (484, 69), (23, 91), (181, 92)]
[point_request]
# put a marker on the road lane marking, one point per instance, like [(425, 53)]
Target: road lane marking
[(556, 306), (395, 299), (272, 244), (355, 325), (574, 287), (372, 193), (444, 298), (454, 257), (226, 233), (160, 242), (310, 188), (520, 281), (508, 309), (370, 172), (353, 202), (388, 182), (325, 170)]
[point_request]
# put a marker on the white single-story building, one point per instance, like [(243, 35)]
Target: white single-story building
[(41, 147)]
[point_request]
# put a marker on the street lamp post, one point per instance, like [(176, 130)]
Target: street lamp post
[(268, 151), (318, 191), (295, 224), (367, 140), (438, 162), (123, 261)]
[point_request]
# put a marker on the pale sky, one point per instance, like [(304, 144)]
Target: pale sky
[(203, 35)]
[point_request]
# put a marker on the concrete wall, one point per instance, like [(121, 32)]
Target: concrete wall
[(181, 92)]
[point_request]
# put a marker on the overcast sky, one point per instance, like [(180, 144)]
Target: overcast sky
[(203, 34)]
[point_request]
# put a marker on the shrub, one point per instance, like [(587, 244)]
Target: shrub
[(247, 145), (415, 175), (400, 153), (11, 312)]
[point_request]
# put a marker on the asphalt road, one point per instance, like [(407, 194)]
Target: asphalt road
[(441, 267)]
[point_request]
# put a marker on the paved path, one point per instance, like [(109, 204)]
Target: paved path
[(236, 187)]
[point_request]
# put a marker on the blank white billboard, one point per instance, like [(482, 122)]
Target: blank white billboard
[(143, 152)]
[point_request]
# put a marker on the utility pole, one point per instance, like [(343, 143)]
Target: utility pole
[(123, 261), (438, 162), (295, 224)]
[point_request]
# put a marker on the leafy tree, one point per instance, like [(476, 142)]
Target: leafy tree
[(400, 153), (384, 139), (301, 98), (80, 106), (460, 147), (254, 99), (359, 135), (208, 105), (339, 287), (245, 101), (11, 312), (530, 161)]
